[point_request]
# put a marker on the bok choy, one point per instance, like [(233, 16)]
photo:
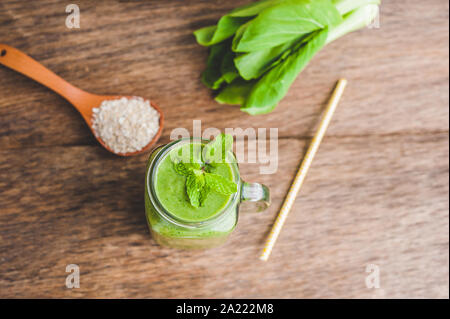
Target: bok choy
[(258, 50)]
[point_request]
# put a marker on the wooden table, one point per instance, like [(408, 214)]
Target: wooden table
[(377, 192)]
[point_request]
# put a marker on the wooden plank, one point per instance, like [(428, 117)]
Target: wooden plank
[(398, 74), (367, 200)]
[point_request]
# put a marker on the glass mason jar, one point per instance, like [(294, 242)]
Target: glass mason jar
[(169, 230)]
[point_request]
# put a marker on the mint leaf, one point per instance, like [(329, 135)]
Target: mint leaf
[(197, 166), (185, 169), (204, 194), (220, 184), (181, 169), (190, 165), (195, 183), (216, 151)]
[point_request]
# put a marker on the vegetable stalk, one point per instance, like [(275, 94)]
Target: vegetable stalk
[(346, 6), (356, 19)]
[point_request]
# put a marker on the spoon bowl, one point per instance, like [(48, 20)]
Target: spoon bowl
[(96, 101), (83, 101)]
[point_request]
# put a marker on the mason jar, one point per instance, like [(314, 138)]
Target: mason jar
[(169, 230)]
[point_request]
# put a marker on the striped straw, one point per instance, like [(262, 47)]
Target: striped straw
[(303, 170)]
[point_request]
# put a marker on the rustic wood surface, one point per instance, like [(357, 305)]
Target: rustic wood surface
[(377, 192)]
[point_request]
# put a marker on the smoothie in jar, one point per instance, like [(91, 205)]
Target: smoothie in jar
[(173, 218)]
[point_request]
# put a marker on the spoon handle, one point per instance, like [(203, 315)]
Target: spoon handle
[(22, 63)]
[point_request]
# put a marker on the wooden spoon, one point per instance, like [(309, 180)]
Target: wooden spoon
[(83, 101)]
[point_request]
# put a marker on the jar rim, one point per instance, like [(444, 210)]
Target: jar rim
[(151, 192)]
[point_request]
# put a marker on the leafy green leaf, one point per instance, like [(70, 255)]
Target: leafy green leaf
[(194, 186), (226, 27), (220, 184), (230, 23), (228, 69), (271, 42), (204, 36), (239, 34), (181, 169), (236, 92), (212, 76), (253, 9), (273, 86), (252, 65), (285, 22), (258, 110), (185, 169), (204, 194), (198, 171)]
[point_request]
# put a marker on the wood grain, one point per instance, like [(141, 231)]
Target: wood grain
[(377, 192)]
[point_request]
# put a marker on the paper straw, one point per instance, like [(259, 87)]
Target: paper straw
[(303, 170)]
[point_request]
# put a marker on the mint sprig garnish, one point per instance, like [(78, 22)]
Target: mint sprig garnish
[(195, 183), (199, 179)]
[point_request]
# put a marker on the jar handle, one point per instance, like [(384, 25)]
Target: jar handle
[(254, 197)]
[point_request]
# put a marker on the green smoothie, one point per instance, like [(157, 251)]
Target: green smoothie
[(172, 219), (171, 191)]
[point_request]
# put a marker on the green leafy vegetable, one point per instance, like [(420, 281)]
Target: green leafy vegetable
[(252, 65), (257, 51), (212, 77), (273, 86), (235, 93), (252, 110), (354, 20), (228, 69), (285, 22), (226, 27), (199, 179), (230, 23)]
